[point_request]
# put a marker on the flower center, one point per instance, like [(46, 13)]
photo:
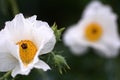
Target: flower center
[(93, 32), (27, 51)]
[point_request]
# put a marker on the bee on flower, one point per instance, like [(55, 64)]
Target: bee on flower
[(22, 41), (97, 29)]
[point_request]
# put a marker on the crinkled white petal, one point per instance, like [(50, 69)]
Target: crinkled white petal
[(17, 70), (7, 61), (44, 37), (19, 29), (23, 70), (32, 19), (42, 65)]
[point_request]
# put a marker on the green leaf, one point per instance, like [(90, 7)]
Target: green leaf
[(57, 31)]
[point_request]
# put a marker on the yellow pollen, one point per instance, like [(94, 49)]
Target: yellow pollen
[(27, 51), (93, 32)]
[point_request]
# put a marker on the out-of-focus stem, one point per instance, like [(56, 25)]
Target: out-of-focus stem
[(5, 76), (110, 69), (44, 76), (14, 6)]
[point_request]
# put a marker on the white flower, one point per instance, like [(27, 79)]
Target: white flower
[(22, 41), (96, 29)]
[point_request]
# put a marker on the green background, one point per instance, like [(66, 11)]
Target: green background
[(89, 66)]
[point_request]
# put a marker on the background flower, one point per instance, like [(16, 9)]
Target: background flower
[(95, 30)]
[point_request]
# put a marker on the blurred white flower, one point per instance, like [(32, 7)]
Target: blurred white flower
[(96, 29), (22, 41)]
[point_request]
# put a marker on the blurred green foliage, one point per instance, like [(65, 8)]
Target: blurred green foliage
[(89, 66)]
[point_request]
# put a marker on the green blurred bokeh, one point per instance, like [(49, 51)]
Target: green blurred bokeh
[(89, 66)]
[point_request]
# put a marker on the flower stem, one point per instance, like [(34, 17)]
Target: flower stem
[(5, 76), (110, 69), (53, 54), (14, 6)]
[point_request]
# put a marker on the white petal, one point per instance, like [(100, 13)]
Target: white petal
[(32, 19), (17, 70), (7, 61), (44, 37), (92, 8), (78, 49), (113, 46), (17, 22), (47, 46), (42, 65), (18, 29), (105, 50), (3, 47), (13, 49), (96, 8), (71, 38), (71, 35)]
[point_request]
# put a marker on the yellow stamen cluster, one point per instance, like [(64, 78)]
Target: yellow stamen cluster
[(93, 32), (27, 51)]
